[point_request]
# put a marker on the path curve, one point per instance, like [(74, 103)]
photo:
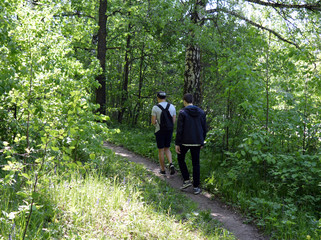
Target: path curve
[(230, 219)]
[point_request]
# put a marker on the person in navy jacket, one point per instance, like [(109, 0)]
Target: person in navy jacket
[(190, 135)]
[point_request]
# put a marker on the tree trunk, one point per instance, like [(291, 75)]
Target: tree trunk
[(124, 93), (304, 145), (101, 55), (140, 86), (192, 74), (228, 120), (267, 87)]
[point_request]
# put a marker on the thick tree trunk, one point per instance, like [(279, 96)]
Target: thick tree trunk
[(192, 75), (101, 55)]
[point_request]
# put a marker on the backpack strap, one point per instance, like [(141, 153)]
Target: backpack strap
[(161, 107)]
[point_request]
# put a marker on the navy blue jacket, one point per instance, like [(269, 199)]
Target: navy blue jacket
[(191, 126)]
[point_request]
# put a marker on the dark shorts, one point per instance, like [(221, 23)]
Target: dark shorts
[(163, 139)]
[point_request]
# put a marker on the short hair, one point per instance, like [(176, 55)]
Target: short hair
[(161, 95), (188, 97)]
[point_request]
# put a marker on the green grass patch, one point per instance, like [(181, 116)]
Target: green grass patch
[(112, 199)]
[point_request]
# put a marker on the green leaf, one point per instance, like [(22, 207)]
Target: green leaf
[(35, 195), (23, 194), (25, 175), (55, 148)]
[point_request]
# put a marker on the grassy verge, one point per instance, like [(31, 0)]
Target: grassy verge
[(111, 199), (242, 185)]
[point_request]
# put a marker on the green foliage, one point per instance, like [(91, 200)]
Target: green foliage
[(281, 191), (151, 27), (278, 192), (47, 115), (262, 97)]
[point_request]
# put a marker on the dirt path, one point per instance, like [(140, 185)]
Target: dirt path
[(230, 219)]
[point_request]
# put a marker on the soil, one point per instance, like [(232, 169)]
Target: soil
[(231, 219)]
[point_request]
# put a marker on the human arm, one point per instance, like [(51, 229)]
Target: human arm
[(153, 120), (174, 119), (178, 149), (172, 111), (154, 116)]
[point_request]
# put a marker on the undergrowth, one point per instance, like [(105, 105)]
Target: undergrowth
[(110, 198), (279, 193)]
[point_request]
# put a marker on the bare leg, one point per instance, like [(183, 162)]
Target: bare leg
[(161, 158), (168, 154)]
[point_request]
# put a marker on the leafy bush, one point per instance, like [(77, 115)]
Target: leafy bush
[(47, 117), (280, 193)]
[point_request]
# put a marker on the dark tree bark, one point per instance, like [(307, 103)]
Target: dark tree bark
[(140, 86), (312, 7), (124, 93), (228, 119), (101, 55)]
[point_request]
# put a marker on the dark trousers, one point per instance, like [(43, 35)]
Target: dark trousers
[(195, 152)]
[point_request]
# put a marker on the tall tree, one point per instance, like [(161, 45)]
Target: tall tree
[(101, 55), (124, 92), (192, 74)]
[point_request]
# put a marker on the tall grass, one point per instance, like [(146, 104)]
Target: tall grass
[(114, 199), (100, 208)]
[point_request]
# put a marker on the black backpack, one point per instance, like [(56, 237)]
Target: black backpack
[(166, 119)]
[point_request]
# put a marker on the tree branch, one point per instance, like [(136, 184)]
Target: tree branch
[(78, 14), (254, 24), (114, 13), (311, 7)]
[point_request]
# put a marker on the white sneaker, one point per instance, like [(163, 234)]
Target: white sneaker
[(186, 184), (197, 190)]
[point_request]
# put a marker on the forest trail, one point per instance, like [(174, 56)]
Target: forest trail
[(230, 219)]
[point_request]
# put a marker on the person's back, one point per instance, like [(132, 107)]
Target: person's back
[(192, 129), (157, 111), (190, 135), (163, 134), (166, 118)]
